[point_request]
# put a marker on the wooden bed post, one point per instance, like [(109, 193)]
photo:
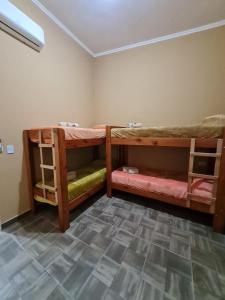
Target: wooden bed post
[(108, 161), (219, 217), (28, 162), (61, 178)]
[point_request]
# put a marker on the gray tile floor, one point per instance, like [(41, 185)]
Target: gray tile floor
[(115, 250)]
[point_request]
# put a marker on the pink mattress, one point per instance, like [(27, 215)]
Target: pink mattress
[(71, 133), (155, 183)]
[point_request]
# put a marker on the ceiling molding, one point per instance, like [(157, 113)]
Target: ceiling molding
[(62, 26), (131, 46), (163, 38)]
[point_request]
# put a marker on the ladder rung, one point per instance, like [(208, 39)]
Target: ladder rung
[(46, 145), (47, 167), (48, 187), (193, 197), (204, 154), (212, 177)]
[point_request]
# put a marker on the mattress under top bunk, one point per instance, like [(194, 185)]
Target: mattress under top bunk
[(71, 133), (87, 177), (172, 185), (210, 127)]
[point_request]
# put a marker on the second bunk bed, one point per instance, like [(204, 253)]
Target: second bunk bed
[(56, 186), (194, 190)]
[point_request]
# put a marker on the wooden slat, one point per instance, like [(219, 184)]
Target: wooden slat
[(166, 142), (204, 154), (196, 175), (208, 200), (190, 170), (45, 145), (48, 187), (48, 167), (79, 143)]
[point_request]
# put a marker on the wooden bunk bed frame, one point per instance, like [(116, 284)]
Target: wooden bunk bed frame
[(59, 192), (217, 207)]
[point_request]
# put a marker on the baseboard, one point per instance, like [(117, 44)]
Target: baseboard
[(14, 219)]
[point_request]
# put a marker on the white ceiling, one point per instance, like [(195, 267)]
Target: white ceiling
[(106, 25)]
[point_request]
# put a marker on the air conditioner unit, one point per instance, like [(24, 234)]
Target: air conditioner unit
[(17, 24)]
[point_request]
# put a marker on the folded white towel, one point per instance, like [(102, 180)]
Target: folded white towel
[(134, 125), (130, 170), (68, 124)]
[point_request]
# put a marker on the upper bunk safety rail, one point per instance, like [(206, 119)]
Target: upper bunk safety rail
[(43, 167)]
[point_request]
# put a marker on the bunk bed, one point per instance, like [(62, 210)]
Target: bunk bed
[(201, 192), (63, 189)]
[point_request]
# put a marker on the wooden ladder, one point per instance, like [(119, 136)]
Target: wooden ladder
[(213, 177), (44, 167)]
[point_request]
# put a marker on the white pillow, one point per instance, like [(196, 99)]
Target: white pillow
[(215, 120)]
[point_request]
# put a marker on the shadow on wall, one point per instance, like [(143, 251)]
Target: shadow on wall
[(24, 201)]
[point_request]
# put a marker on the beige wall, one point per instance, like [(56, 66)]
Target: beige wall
[(173, 82), (38, 89), (179, 81)]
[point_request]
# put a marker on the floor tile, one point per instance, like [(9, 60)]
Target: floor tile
[(101, 242), (124, 238), (93, 289), (161, 240), (207, 284), (91, 256), (140, 246), (76, 278), (9, 293), (116, 252), (148, 291), (106, 270), (129, 227), (49, 256), (77, 250), (59, 293), (126, 283), (134, 260), (41, 289), (145, 233), (61, 267), (199, 256)]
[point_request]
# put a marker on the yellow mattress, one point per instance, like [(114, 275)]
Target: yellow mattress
[(87, 177), (211, 127)]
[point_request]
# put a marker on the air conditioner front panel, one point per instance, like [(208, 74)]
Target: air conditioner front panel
[(18, 22)]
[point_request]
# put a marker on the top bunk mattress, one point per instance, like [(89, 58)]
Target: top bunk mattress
[(71, 133), (211, 127)]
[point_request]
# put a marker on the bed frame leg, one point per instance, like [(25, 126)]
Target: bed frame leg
[(109, 161), (219, 217), (63, 218), (28, 163), (61, 177)]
